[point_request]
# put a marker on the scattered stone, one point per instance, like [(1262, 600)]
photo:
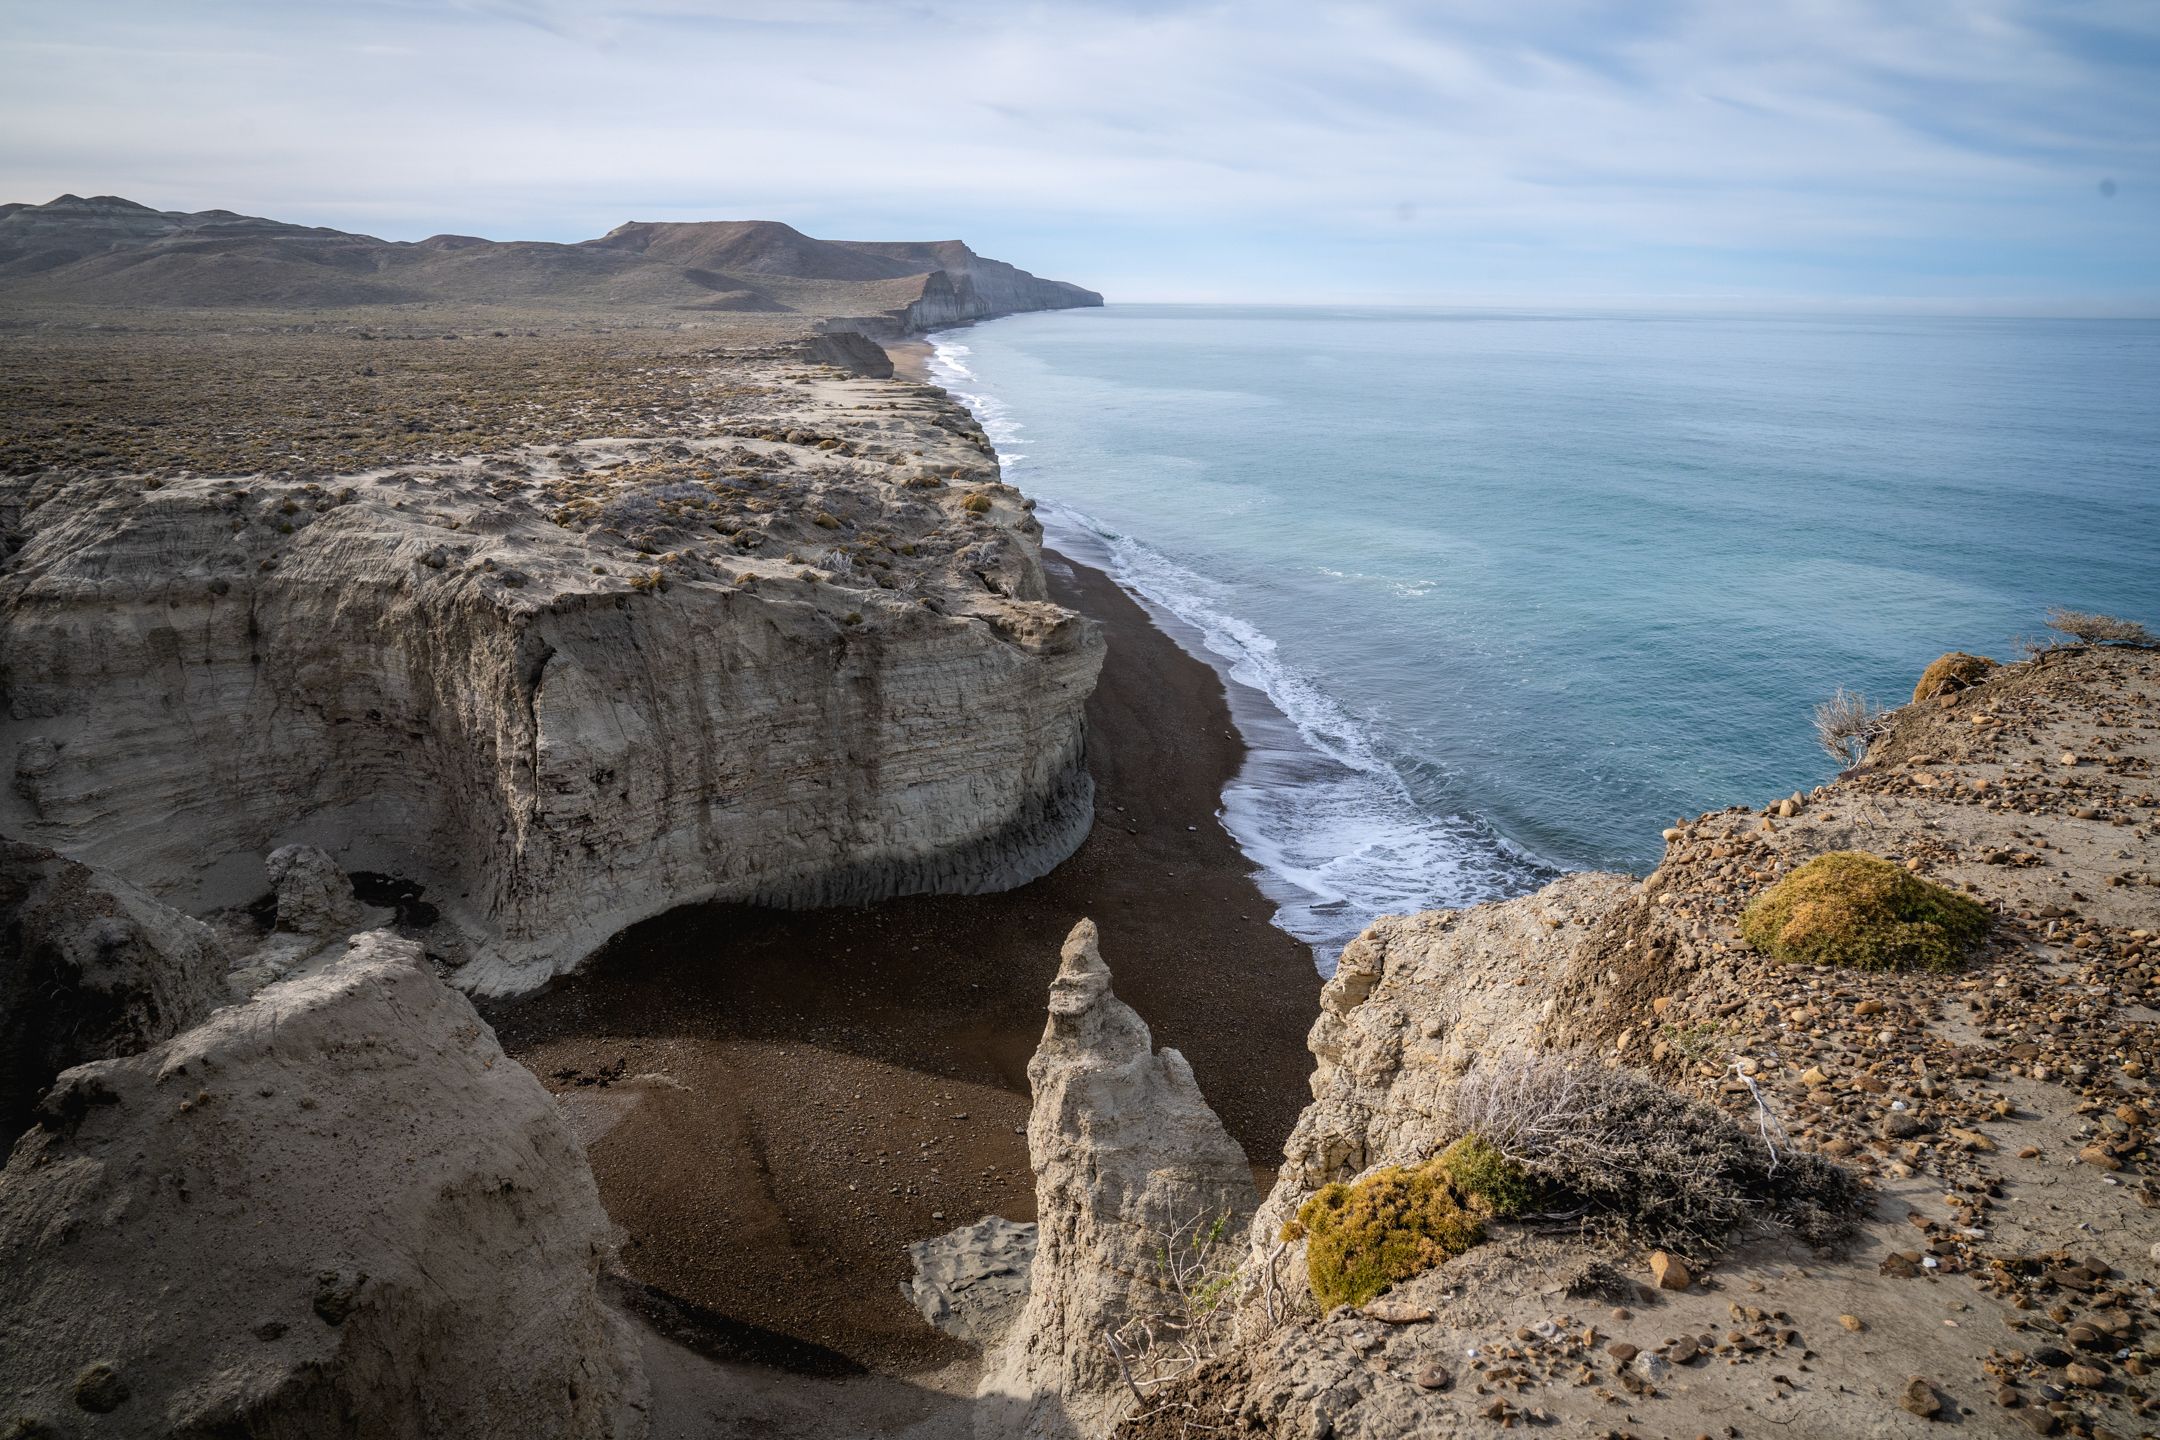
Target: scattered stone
[(1920, 1398), (1668, 1273), (99, 1388)]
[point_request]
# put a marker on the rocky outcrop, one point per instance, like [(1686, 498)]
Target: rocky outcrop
[(335, 1210), (965, 286), (1957, 1094), (971, 1282), (806, 662), (90, 968), (1415, 1001), (1126, 1152), (313, 895)]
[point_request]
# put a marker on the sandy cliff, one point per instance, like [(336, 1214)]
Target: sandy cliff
[(799, 656)]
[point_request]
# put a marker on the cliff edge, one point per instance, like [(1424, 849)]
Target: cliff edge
[(792, 647), (1592, 1159)]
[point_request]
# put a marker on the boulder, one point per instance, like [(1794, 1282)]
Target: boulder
[(336, 1210), (313, 895), (1126, 1154), (90, 968)]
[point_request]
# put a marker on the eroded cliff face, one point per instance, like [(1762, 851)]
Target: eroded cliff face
[(335, 1210), (1415, 1001), (804, 659)]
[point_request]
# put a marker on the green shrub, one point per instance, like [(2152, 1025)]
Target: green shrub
[(1854, 909), (976, 504), (1953, 671), (1392, 1224), (1489, 1179)]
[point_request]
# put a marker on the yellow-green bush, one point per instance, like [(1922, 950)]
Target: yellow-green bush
[(1362, 1238), (976, 504), (1953, 671), (1859, 910), (1487, 1178)]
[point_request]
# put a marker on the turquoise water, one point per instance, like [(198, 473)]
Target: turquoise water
[(1522, 589)]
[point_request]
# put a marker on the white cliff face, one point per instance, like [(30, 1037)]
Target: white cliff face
[(564, 692), (1125, 1151), (338, 1209)]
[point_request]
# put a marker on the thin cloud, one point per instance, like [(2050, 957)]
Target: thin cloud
[(1540, 148)]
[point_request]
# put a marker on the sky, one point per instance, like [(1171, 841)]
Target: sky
[(1989, 156)]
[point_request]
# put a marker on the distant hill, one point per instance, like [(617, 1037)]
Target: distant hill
[(109, 251)]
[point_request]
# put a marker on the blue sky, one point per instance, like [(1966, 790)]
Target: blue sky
[(1961, 155)]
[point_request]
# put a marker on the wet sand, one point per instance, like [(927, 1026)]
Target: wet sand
[(777, 1102)]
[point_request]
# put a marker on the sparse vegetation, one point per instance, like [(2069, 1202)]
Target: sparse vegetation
[(1661, 1168), (1847, 723), (1493, 1183), (1858, 910), (2090, 629), (1194, 1273), (976, 504), (1363, 1237), (1954, 671)]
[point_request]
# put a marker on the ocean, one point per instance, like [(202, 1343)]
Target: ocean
[(1507, 594)]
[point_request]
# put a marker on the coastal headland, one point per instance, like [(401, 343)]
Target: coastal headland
[(616, 634)]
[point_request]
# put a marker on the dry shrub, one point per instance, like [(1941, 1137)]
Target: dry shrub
[(1954, 671), (1661, 1168), (1847, 723), (1858, 910), (1195, 1271), (976, 504), (2093, 629)]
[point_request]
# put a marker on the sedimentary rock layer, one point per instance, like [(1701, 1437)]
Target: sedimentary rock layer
[(802, 659)]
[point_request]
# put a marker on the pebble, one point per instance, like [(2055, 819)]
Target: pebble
[(1667, 1273), (1432, 1376), (1920, 1398), (1852, 1323)]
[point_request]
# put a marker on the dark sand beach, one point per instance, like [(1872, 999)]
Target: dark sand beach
[(776, 1103)]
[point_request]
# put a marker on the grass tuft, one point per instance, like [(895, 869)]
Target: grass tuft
[(1858, 910)]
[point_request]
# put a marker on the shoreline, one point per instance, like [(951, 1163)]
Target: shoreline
[(728, 1105)]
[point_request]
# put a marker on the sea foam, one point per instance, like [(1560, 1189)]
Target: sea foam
[(1327, 818)]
